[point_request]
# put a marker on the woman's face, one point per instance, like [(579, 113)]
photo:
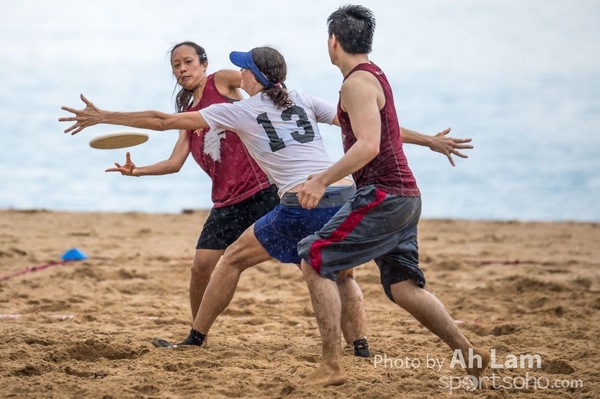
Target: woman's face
[(249, 83), (187, 68)]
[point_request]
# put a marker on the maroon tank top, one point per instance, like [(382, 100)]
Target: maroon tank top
[(222, 155), (389, 170)]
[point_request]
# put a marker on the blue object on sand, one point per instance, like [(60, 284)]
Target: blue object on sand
[(74, 254)]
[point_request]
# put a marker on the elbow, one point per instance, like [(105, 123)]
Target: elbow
[(162, 125), (162, 122), (174, 166), (373, 151), (367, 151)]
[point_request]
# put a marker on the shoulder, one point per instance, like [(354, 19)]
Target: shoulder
[(227, 76), (227, 82), (358, 78), (297, 97), (360, 82), (304, 99), (361, 88)]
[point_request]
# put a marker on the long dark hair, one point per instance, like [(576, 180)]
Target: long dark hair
[(272, 64), (185, 97)]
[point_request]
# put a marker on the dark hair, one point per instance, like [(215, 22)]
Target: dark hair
[(185, 97), (354, 27), (272, 64)]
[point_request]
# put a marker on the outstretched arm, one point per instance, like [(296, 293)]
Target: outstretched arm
[(153, 120), (171, 165), (441, 142)]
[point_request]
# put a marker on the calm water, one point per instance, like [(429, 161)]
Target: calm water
[(521, 78)]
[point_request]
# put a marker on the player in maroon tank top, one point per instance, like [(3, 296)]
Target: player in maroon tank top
[(241, 192), (380, 221)]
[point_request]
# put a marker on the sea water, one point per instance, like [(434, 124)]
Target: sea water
[(522, 79)]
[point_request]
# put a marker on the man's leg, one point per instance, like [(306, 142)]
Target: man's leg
[(327, 307), (354, 318), (429, 311), (204, 263)]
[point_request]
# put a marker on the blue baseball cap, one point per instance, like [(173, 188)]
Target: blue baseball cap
[(245, 60)]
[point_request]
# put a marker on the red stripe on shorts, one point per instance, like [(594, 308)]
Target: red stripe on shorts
[(343, 230)]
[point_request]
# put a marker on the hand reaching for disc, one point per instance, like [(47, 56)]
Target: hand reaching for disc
[(128, 169)]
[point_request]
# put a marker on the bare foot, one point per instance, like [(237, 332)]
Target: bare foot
[(480, 380), (326, 375)]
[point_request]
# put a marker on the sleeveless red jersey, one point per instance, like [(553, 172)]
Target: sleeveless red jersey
[(222, 155), (389, 170)]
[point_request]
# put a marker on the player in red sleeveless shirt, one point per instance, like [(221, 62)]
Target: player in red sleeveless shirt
[(241, 192), (380, 221)]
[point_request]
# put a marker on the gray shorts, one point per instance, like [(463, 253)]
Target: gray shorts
[(372, 225)]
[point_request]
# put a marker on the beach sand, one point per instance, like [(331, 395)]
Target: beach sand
[(85, 328)]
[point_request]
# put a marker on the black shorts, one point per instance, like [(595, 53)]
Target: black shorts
[(224, 225)]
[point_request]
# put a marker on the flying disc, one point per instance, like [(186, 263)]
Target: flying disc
[(118, 140)]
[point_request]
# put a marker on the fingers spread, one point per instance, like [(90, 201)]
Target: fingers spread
[(451, 160), (468, 140)]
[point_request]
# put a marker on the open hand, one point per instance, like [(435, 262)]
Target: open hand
[(89, 116), (126, 170), (449, 146)]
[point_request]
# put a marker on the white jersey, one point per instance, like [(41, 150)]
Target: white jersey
[(286, 143)]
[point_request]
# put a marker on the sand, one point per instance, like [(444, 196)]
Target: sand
[(527, 290)]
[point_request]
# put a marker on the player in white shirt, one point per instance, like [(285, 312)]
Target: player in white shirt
[(278, 138)]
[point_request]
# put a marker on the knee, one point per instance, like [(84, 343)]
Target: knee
[(345, 277), (343, 281), (233, 264), (236, 260), (402, 291), (199, 268)]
